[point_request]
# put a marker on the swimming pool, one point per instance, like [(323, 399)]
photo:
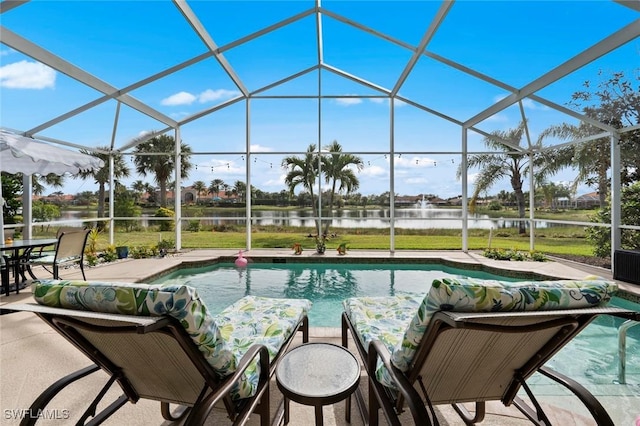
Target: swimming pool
[(591, 358), (326, 285)]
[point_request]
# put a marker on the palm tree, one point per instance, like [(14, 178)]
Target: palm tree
[(506, 164), (337, 167), (200, 188), (239, 189), (139, 188), (38, 182), (162, 166), (303, 171), (101, 176), (215, 186)]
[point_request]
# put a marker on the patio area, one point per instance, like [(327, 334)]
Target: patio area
[(29, 343)]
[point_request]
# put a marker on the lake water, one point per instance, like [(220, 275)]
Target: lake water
[(408, 218)]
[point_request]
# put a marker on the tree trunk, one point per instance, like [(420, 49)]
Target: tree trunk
[(603, 185), (516, 184), (330, 210), (521, 211), (163, 193)]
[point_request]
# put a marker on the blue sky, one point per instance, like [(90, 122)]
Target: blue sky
[(121, 42)]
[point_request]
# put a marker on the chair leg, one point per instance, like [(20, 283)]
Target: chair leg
[(467, 418), (56, 275), (82, 270), (5, 281), (374, 406)]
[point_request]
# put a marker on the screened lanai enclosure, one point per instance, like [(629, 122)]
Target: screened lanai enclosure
[(380, 125)]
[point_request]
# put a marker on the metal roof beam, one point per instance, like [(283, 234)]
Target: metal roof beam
[(631, 4), (122, 91), (266, 30), (206, 38), (7, 5), (354, 78), (599, 49), (284, 80), (426, 38), (512, 89), (23, 45)]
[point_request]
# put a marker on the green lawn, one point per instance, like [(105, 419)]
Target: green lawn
[(554, 240)]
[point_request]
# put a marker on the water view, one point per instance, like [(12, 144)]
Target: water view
[(410, 218)]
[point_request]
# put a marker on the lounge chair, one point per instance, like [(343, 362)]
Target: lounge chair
[(471, 340), (69, 250), (161, 343)]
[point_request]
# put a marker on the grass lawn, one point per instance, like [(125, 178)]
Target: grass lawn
[(568, 240), (559, 241)]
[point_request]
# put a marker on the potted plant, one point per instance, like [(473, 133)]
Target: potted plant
[(122, 252), (342, 249), (297, 248), (321, 244)]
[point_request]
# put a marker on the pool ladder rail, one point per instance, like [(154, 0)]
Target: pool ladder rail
[(622, 349)]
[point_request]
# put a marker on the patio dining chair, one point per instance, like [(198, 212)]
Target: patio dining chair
[(49, 250), (4, 273), (471, 341), (161, 343), (69, 250)]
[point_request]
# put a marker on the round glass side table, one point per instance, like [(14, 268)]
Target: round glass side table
[(318, 374)]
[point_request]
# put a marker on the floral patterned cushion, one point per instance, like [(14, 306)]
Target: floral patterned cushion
[(466, 295), (382, 318), (223, 339)]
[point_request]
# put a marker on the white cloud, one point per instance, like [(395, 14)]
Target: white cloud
[(416, 181), (498, 118), (181, 98), (210, 95), (374, 171), (398, 103), (529, 104), (5, 52), (222, 167), (472, 177), (27, 75), (260, 148), (415, 162), (348, 101), (276, 183), (179, 115)]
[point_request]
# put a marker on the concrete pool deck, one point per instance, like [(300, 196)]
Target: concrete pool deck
[(33, 356)]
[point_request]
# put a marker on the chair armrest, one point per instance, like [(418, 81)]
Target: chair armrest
[(378, 351), (202, 411)]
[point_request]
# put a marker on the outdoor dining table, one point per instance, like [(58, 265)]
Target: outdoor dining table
[(20, 253)]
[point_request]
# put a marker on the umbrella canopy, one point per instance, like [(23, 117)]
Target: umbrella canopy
[(20, 154)]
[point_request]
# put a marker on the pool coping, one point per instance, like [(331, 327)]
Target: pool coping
[(145, 270)]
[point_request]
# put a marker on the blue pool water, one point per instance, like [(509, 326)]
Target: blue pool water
[(326, 285), (591, 358)]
